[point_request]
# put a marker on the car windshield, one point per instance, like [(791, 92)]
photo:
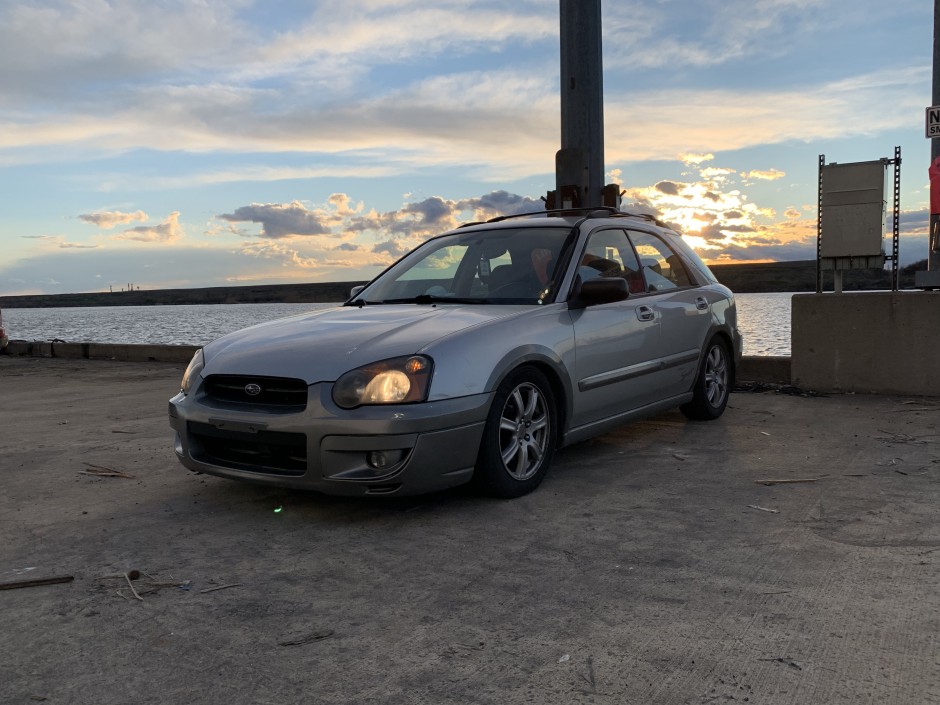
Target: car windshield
[(516, 265)]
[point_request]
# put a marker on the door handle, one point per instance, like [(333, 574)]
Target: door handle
[(701, 304), (645, 313)]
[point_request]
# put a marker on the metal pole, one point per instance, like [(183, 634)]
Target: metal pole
[(933, 256), (580, 162)]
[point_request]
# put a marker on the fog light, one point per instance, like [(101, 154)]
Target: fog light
[(382, 459)]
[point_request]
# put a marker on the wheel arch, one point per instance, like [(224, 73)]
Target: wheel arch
[(552, 367), (725, 338)]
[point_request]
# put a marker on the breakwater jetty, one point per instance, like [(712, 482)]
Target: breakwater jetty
[(799, 276)]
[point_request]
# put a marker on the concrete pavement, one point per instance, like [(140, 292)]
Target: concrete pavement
[(650, 567)]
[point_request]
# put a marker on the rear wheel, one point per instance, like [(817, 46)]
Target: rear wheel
[(519, 436), (713, 384)]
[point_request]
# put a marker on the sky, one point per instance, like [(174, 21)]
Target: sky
[(194, 143)]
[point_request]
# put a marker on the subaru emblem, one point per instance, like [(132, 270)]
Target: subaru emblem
[(252, 389)]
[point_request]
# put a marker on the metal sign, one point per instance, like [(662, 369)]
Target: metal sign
[(852, 211), (932, 122)]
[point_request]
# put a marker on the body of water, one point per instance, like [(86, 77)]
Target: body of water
[(764, 320)]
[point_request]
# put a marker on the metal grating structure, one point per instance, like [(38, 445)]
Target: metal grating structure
[(851, 207)]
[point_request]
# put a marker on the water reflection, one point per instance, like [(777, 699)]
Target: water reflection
[(764, 320)]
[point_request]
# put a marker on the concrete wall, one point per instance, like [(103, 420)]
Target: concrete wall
[(104, 351), (881, 342)]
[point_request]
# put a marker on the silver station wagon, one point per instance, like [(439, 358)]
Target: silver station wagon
[(473, 358)]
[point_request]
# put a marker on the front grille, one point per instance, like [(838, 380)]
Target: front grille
[(271, 452), (281, 392)]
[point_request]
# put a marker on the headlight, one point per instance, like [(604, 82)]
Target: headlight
[(401, 380), (193, 371)]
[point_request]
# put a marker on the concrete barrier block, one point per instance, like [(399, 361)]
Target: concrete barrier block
[(142, 353), (775, 370), (69, 350), (867, 342)]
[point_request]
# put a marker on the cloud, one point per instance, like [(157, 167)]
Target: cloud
[(59, 242), (667, 187), (766, 175), (110, 219), (912, 222), (280, 220), (643, 126), (717, 173), (168, 231), (54, 49), (339, 35), (495, 124), (695, 159)]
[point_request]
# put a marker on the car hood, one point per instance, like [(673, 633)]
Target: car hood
[(321, 346)]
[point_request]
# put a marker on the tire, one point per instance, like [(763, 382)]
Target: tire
[(518, 437), (713, 384)]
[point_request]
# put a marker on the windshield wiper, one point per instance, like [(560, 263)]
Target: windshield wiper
[(432, 299)]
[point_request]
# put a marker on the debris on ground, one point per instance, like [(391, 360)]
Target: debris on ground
[(892, 437), (763, 509), (787, 661), (102, 471), (766, 387), (317, 635), (36, 582), (788, 482), (145, 587), (220, 587)]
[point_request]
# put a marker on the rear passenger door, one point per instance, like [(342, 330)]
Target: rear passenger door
[(680, 305)]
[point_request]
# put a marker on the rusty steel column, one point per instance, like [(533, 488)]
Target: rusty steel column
[(933, 256), (579, 165)]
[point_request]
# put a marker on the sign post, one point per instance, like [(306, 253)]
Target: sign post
[(931, 278)]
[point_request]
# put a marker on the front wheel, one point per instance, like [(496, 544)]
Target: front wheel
[(713, 384), (519, 436)]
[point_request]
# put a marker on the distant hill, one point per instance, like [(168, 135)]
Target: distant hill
[(742, 278), (266, 294), (801, 276)]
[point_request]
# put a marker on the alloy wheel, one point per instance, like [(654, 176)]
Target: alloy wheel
[(716, 376), (524, 431)]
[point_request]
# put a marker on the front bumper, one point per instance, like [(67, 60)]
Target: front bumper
[(426, 447)]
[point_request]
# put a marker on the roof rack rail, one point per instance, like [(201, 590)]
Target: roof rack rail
[(601, 211), (594, 212)]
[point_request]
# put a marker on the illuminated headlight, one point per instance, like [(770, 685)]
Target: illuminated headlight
[(401, 380), (193, 371)]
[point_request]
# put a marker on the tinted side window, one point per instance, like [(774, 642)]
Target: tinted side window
[(608, 253), (695, 261), (662, 267)]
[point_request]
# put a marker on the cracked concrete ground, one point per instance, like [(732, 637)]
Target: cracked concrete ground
[(650, 567)]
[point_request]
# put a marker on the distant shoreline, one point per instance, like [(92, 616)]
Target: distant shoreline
[(773, 277)]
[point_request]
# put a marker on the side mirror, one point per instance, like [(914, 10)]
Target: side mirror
[(602, 290), (356, 289)]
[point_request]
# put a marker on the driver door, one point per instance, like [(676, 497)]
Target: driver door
[(618, 344)]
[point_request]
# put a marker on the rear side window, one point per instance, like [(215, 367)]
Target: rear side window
[(662, 268), (695, 261)]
